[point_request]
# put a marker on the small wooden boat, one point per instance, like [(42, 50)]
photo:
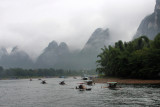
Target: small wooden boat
[(83, 88), (89, 82), (85, 78), (112, 84), (62, 83), (43, 82)]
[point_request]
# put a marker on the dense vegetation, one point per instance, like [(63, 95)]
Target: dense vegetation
[(139, 58), (27, 73)]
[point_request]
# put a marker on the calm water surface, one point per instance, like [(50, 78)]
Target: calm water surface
[(25, 93)]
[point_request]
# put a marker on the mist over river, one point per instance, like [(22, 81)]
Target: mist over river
[(25, 93)]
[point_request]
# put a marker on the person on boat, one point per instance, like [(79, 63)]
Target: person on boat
[(90, 82), (82, 87)]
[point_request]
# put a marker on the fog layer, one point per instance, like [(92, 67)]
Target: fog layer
[(32, 24)]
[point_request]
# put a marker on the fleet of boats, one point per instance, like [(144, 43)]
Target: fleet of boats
[(87, 82)]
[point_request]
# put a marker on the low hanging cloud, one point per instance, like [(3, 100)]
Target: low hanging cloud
[(32, 24)]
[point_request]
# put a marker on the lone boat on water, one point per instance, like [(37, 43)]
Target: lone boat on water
[(89, 82), (112, 85), (43, 82), (85, 78), (62, 83), (81, 87)]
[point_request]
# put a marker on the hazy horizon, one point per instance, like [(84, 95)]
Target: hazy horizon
[(32, 24)]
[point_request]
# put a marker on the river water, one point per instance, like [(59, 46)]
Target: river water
[(25, 93)]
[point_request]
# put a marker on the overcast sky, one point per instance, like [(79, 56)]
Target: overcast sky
[(32, 24)]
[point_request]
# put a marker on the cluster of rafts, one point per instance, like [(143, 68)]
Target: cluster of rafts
[(87, 81), (82, 86)]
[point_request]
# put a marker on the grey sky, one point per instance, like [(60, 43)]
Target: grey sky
[(32, 24)]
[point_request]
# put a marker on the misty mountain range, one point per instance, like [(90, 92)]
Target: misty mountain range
[(59, 56), (150, 25)]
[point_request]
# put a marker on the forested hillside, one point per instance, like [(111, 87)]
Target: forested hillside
[(139, 58)]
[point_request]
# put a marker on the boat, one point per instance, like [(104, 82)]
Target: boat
[(81, 87), (62, 83), (85, 78), (112, 84), (89, 82), (43, 82)]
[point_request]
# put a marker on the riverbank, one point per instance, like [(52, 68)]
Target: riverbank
[(125, 81)]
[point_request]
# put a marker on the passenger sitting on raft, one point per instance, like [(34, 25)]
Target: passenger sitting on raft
[(81, 87)]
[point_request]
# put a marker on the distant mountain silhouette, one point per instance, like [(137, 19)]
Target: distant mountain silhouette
[(92, 48), (59, 56), (150, 25), (17, 58), (54, 56)]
